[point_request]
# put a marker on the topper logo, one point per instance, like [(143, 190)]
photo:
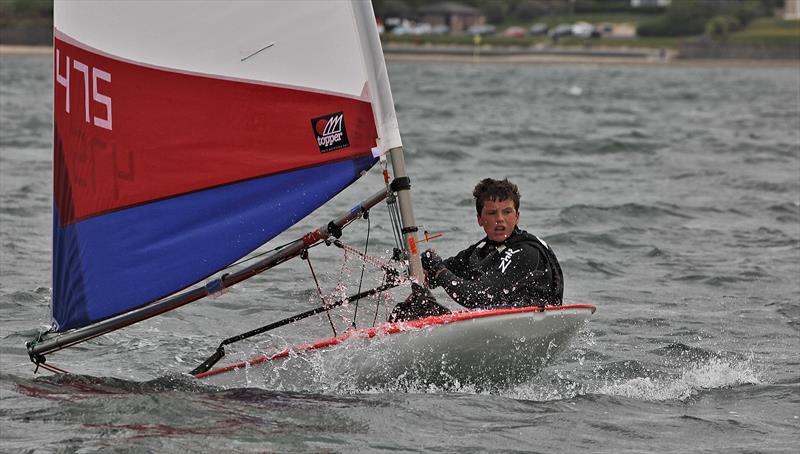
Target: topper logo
[(330, 132), (332, 127)]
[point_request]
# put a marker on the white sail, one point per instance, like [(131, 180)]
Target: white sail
[(306, 43)]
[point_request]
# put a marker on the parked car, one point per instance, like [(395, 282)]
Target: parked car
[(423, 28), (560, 31), (585, 30), (483, 30), (391, 22), (440, 29), (515, 32), (411, 28), (402, 30), (538, 29)]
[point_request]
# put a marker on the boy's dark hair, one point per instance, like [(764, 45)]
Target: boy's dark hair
[(495, 190)]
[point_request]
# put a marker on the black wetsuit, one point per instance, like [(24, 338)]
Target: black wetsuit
[(520, 271)]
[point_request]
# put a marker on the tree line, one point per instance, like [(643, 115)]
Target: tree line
[(680, 18)]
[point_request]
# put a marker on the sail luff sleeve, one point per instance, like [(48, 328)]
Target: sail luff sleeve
[(375, 66), (388, 129)]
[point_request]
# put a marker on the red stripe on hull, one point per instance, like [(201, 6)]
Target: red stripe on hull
[(134, 134), (393, 328)]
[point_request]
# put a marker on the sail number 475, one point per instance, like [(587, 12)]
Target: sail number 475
[(90, 74)]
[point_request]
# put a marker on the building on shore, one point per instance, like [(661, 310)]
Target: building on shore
[(650, 3), (457, 16), (791, 10)]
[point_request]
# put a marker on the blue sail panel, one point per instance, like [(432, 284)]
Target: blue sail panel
[(110, 264)]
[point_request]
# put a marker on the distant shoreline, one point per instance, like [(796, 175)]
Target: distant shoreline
[(569, 55), (587, 60), (647, 57), (14, 49)]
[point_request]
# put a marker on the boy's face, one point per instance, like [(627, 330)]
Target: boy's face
[(498, 219)]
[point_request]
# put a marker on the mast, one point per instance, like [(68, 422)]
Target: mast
[(388, 129)]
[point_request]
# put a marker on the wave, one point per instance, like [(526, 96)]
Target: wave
[(788, 212), (24, 212), (612, 239), (765, 237), (791, 312), (720, 277), (633, 143), (449, 155), (759, 186), (76, 386), (715, 373), (628, 214), (632, 379)]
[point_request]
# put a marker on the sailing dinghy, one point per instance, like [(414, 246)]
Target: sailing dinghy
[(185, 144)]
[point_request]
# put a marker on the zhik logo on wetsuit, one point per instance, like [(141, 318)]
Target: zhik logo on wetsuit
[(330, 132), (506, 259)]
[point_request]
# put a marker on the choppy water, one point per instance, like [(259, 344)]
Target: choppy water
[(670, 194)]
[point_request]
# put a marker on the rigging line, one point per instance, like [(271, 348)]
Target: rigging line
[(253, 257), (372, 260), (393, 220), (378, 302), (341, 288), (363, 266), (398, 227), (319, 290), (41, 335), (52, 368), (278, 248)]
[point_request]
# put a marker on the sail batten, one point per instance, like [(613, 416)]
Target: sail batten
[(174, 155)]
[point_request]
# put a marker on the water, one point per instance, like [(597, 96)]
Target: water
[(670, 194)]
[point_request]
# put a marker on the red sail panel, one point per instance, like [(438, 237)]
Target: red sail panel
[(130, 134)]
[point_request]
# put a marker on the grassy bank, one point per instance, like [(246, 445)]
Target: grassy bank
[(767, 30)]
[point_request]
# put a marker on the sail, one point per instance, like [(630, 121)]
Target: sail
[(188, 133)]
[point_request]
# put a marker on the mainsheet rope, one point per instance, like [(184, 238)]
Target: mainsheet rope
[(363, 266)]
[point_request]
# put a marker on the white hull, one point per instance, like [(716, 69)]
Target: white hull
[(486, 349)]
